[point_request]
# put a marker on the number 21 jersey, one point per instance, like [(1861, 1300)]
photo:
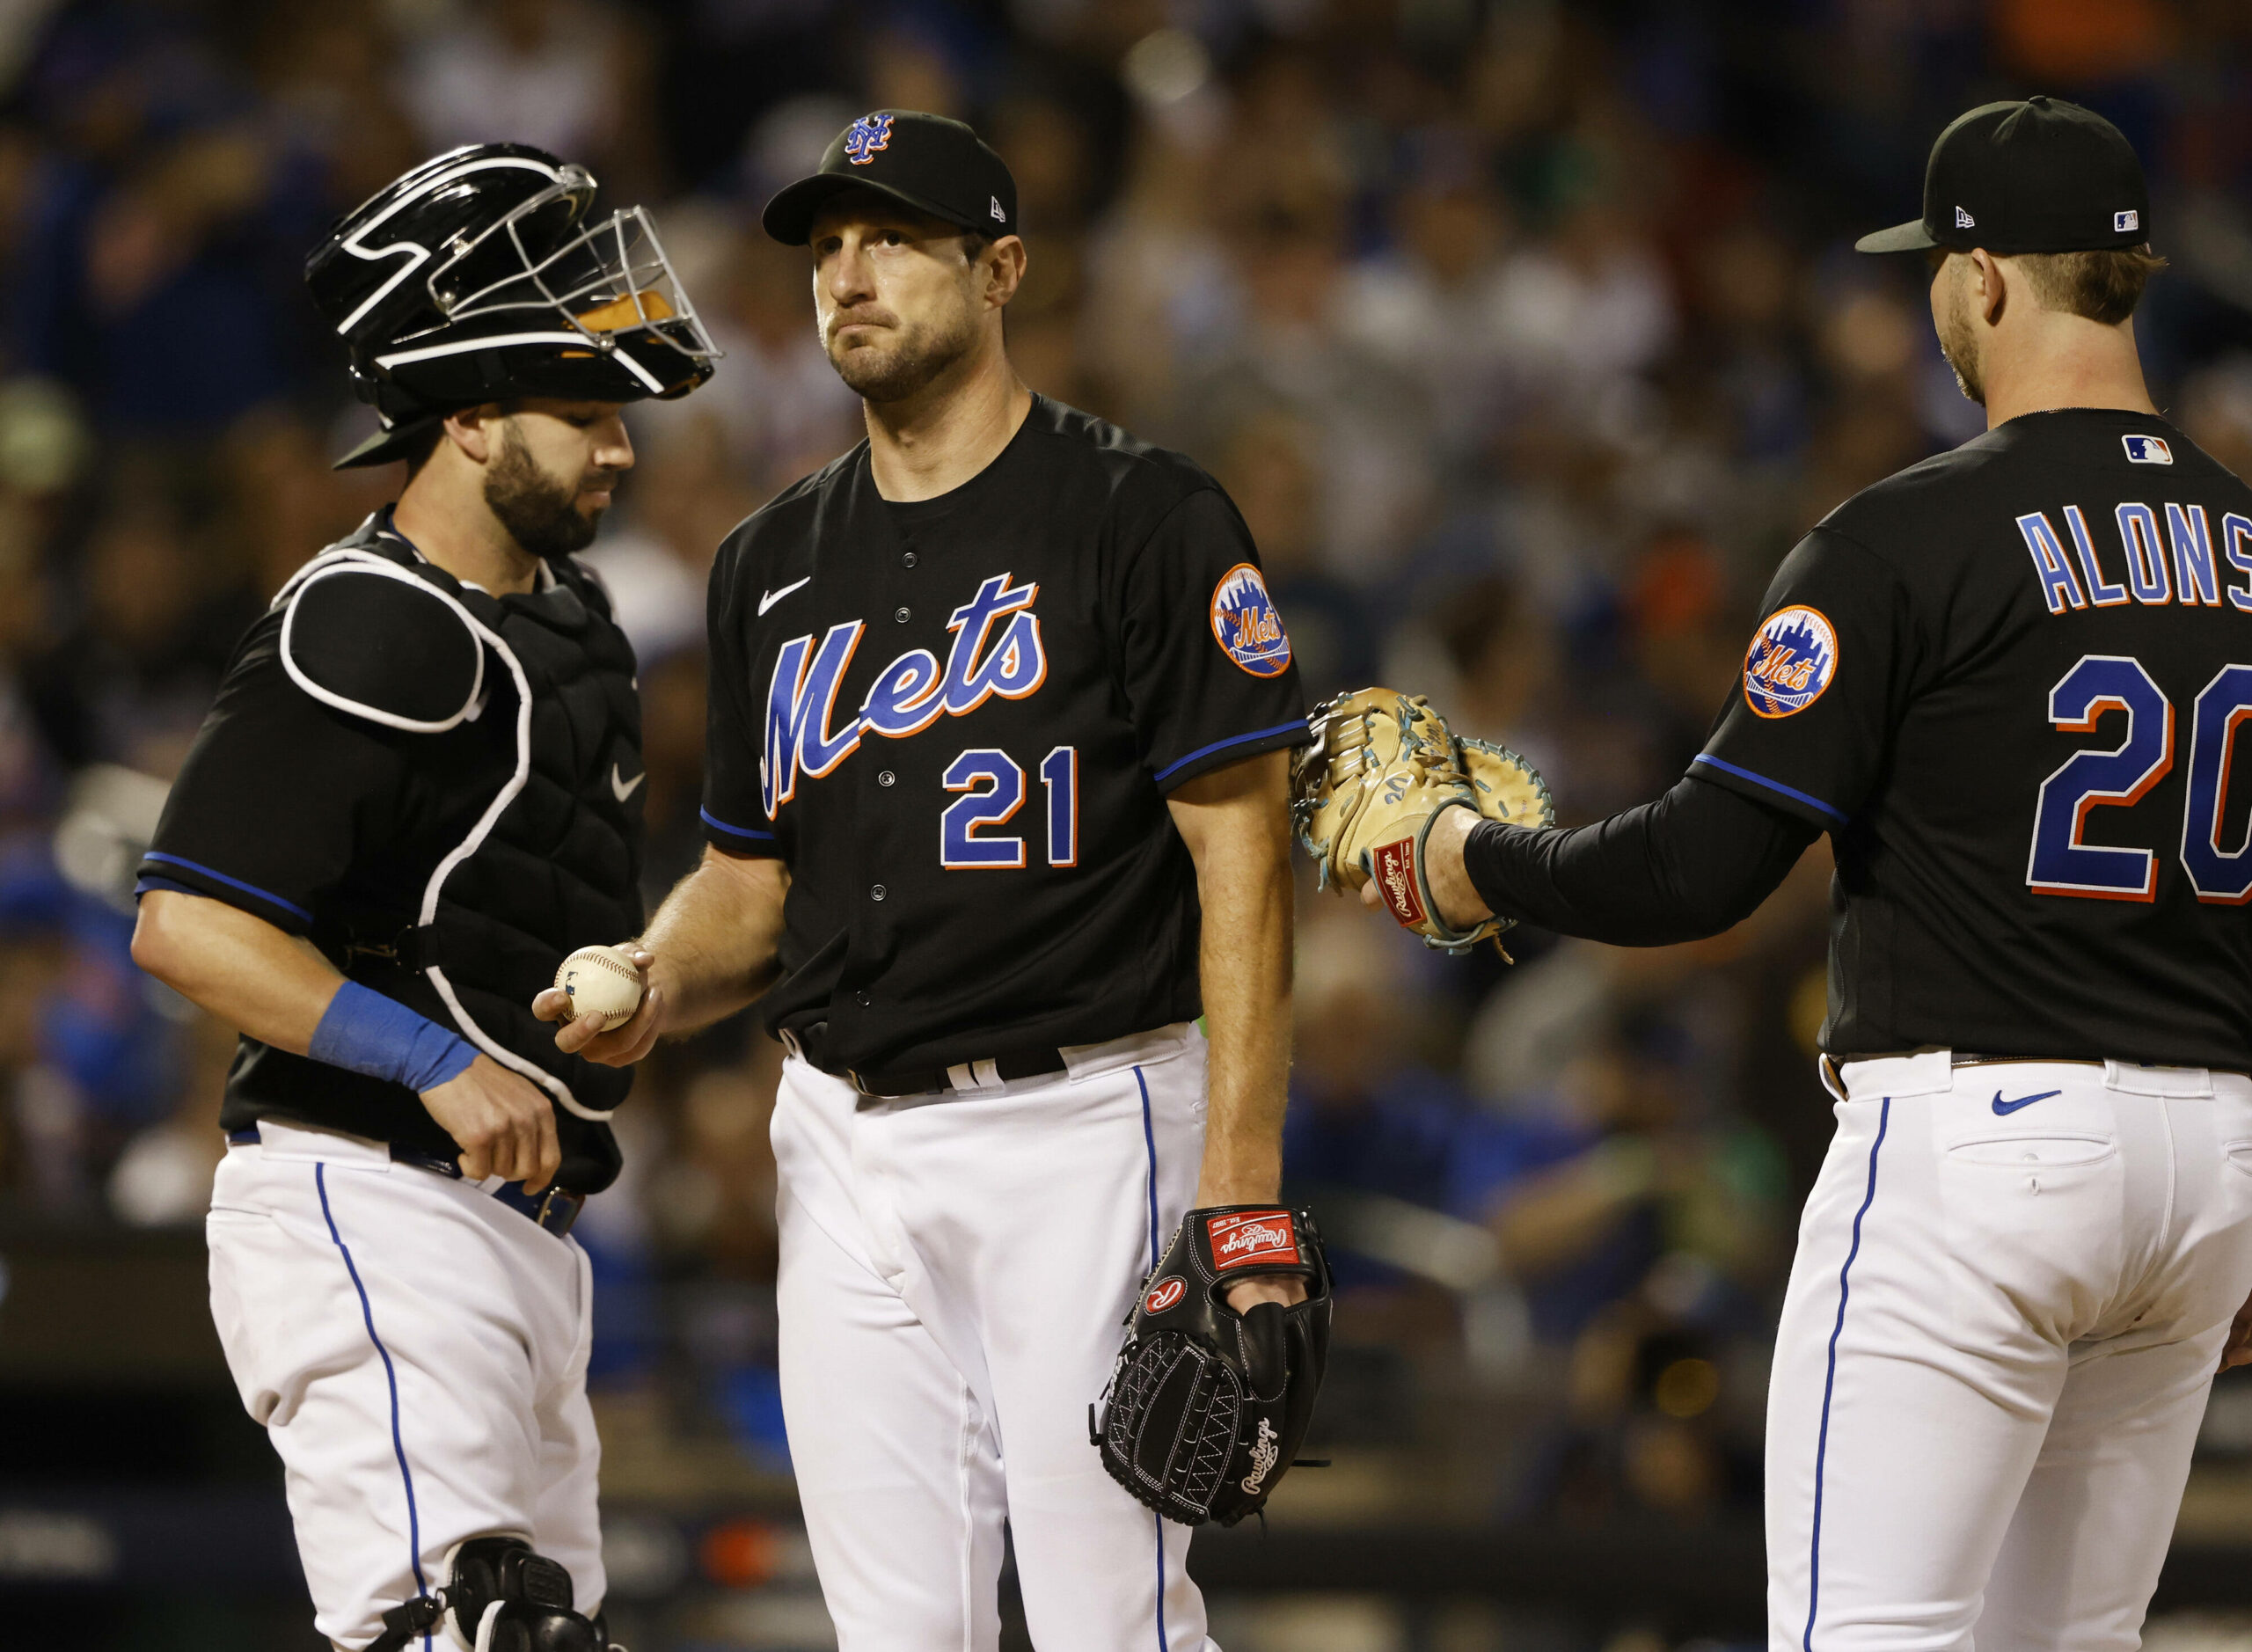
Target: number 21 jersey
[(2010, 681), (958, 721)]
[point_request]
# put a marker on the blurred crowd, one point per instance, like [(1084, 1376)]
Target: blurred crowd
[(1527, 336)]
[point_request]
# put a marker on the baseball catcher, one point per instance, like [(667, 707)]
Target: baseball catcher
[(1207, 1406), (1382, 768)]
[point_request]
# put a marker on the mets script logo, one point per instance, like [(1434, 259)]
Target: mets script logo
[(1246, 624), (996, 650), (1257, 1236), (1791, 662), (869, 133), (1164, 1294)]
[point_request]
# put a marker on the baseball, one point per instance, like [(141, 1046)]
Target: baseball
[(602, 980)]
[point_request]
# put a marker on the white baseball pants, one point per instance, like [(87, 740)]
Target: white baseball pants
[(418, 1354), (955, 1274), (2013, 1285)]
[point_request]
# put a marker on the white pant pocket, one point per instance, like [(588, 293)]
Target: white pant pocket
[(2032, 1151)]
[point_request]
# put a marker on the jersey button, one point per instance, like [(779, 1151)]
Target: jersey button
[(900, 615), (908, 559), (885, 777), (864, 999), (877, 893)]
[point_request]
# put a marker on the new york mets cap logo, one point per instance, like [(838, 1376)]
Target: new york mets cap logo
[(869, 133), (2147, 451), (1792, 660), (1246, 624)]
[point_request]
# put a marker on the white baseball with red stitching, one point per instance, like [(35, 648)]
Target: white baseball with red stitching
[(602, 980)]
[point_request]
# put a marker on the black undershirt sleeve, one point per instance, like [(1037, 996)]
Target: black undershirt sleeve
[(1695, 862)]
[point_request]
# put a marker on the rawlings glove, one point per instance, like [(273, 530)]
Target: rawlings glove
[(1382, 767), (1206, 1406)]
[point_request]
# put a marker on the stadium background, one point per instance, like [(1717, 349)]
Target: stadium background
[(1526, 336)]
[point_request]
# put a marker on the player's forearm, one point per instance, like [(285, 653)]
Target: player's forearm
[(239, 969), (1244, 965), (1695, 862), (716, 938), (1237, 826)]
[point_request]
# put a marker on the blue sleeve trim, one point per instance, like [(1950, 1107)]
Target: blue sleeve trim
[(1795, 795), (733, 832), (1296, 726), (232, 883)]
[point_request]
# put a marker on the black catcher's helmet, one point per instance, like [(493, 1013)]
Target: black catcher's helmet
[(476, 277)]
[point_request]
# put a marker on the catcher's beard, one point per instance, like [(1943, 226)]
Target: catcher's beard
[(540, 510), (917, 353), (1958, 342)]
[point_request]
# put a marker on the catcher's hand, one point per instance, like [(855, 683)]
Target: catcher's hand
[(1382, 767), (1207, 1406)]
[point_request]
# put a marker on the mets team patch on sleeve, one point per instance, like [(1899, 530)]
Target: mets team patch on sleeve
[(1792, 660), (1253, 1236), (1246, 624)]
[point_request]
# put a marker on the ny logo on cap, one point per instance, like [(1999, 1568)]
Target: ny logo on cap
[(869, 133), (1963, 220), (2123, 221)]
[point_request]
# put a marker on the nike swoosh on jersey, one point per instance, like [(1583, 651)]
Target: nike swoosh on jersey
[(2004, 1108), (770, 598), (622, 787)]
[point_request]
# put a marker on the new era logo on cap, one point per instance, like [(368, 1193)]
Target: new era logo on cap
[(2147, 451), (1963, 220), (999, 216), (2123, 221)]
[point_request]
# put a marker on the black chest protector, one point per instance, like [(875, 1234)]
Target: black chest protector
[(533, 776)]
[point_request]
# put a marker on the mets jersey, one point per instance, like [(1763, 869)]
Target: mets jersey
[(957, 720), (2010, 681)]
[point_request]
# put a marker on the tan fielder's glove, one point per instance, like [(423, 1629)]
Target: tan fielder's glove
[(1382, 767)]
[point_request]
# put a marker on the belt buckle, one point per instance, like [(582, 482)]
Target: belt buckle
[(558, 1209)]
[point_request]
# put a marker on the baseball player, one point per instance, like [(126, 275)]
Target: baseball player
[(995, 792), (2009, 683), (419, 791)]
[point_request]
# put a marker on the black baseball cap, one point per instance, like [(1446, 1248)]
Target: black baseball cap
[(926, 161), (2040, 176)]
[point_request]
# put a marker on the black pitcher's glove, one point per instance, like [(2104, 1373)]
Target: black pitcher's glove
[(1206, 1405)]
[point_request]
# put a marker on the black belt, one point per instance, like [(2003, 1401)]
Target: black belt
[(902, 1081), (553, 1209)]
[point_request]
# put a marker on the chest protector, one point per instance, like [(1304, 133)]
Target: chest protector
[(535, 760)]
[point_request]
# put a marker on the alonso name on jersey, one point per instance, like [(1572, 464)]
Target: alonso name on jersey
[(908, 697), (2010, 681)]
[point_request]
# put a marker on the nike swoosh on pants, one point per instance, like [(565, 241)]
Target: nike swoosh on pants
[(2004, 1108)]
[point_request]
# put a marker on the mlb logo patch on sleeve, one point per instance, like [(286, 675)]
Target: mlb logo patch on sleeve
[(2149, 451), (1253, 1236), (1246, 624)]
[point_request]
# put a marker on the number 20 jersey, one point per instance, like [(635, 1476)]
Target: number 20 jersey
[(2010, 681), (958, 721)]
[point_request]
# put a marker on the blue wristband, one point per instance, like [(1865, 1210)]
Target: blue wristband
[(365, 1032)]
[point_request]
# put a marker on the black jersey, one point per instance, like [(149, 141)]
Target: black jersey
[(2009, 682), (374, 778), (957, 720)]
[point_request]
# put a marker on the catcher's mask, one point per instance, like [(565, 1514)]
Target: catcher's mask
[(478, 277)]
